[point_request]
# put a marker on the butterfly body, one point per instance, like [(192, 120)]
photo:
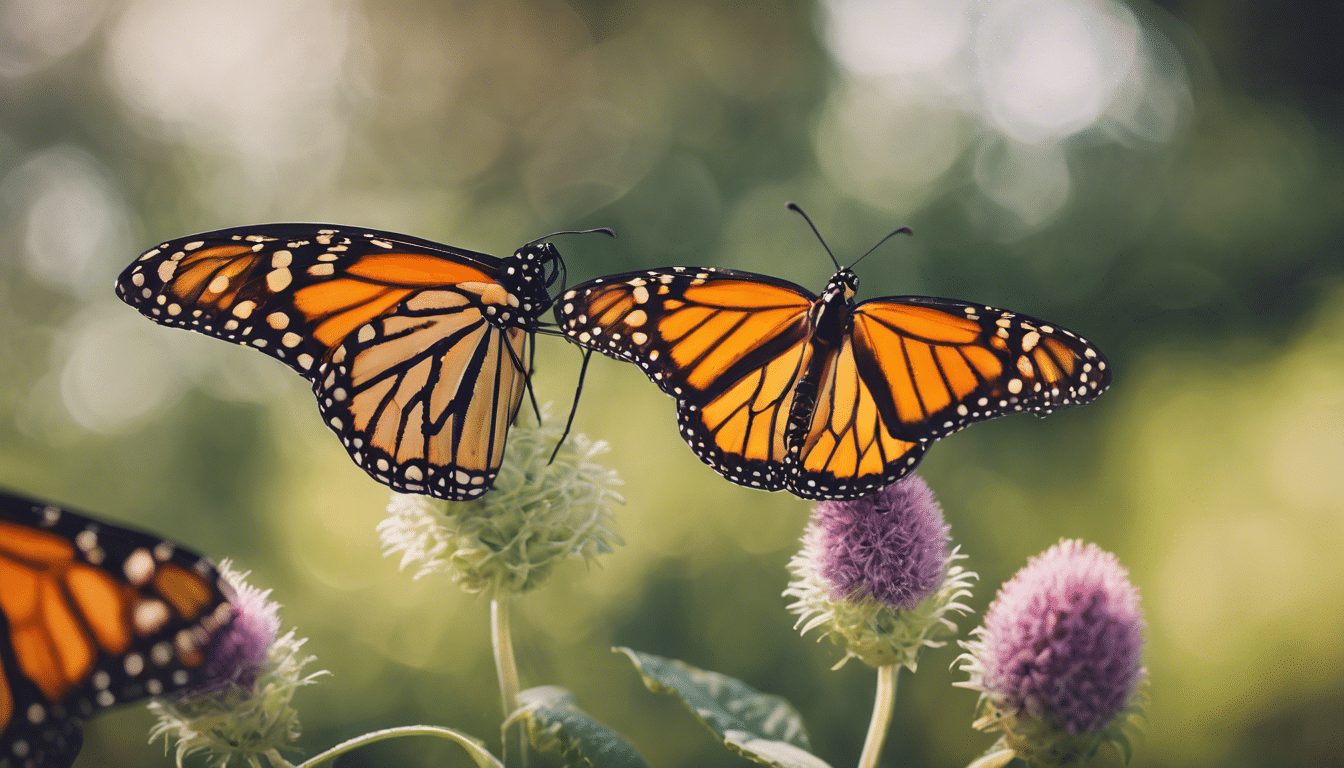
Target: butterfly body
[(418, 352), (92, 615), (781, 389)]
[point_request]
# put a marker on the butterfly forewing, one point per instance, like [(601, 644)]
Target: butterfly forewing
[(291, 290), (941, 364), (92, 615)]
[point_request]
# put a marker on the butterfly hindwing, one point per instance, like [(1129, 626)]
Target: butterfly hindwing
[(92, 615), (422, 398), (849, 447)]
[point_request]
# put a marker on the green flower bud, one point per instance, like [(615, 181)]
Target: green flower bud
[(538, 514)]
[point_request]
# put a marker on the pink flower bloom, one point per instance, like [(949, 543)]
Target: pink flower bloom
[(237, 654), (1063, 640), (891, 546)]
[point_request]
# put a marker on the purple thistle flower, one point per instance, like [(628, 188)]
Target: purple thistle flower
[(238, 653), (876, 575), (1058, 660), (891, 546), (244, 705)]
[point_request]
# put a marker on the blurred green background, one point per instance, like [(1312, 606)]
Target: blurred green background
[(1163, 178)]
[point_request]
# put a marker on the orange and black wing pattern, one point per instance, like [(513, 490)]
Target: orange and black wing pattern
[(423, 397), (729, 346), (914, 369), (92, 615), (415, 349), (780, 390)]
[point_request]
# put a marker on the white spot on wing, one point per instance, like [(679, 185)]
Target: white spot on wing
[(279, 279)]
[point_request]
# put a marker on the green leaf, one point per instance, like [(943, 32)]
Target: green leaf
[(758, 726), (556, 724)]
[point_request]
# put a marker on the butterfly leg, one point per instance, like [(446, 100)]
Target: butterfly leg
[(573, 409)]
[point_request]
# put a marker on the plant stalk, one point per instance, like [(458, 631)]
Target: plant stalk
[(502, 639), (370, 738), (883, 705)]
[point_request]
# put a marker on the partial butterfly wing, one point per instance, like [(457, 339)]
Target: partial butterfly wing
[(729, 346), (294, 291), (91, 615), (914, 369), (423, 397), (416, 350)]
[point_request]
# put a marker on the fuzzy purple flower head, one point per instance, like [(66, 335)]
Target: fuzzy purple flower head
[(891, 546), (237, 655), (1060, 656), (243, 708), (877, 574)]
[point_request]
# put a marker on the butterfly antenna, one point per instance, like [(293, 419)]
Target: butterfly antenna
[(901, 231), (603, 230), (794, 207), (573, 409)]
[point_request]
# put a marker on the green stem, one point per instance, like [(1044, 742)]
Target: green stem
[(883, 705), (507, 667), (369, 738)]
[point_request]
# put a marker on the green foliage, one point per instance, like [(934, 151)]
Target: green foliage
[(759, 726), (556, 724)]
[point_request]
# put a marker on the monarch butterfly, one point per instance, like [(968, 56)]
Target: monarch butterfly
[(830, 399), (418, 352), (91, 615)]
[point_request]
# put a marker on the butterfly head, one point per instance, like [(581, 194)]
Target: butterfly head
[(830, 312), (842, 286), (530, 273)]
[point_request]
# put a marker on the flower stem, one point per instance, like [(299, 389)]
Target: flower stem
[(507, 667), (369, 738), (883, 705)]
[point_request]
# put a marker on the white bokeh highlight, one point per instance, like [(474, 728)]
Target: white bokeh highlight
[(73, 224), (1047, 70), (889, 37), (35, 34), (116, 372), (256, 93), (1009, 82)]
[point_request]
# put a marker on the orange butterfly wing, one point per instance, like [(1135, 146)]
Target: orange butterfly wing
[(92, 615), (914, 369), (729, 346), (422, 398), (293, 291), (431, 344)]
